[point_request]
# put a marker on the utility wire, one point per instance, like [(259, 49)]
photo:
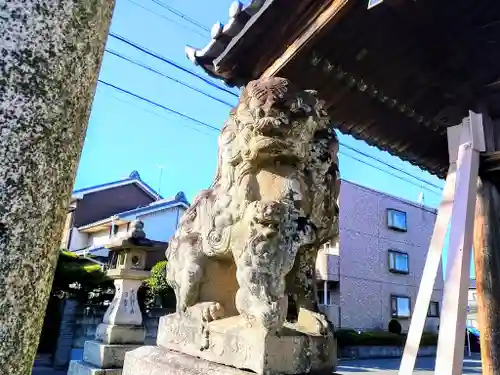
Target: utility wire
[(170, 62), (204, 35), (217, 129), (186, 70), (180, 114), (114, 53), (164, 59), (392, 174), (182, 15), (389, 165), (128, 102)]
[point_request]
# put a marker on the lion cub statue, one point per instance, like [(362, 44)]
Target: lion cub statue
[(247, 246)]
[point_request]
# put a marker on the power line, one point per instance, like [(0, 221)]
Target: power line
[(230, 92), (167, 18), (157, 114), (114, 53), (182, 15), (170, 62), (343, 153), (180, 114), (389, 165), (390, 173)]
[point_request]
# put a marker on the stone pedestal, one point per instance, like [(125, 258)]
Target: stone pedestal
[(120, 332), (222, 346), (154, 360), (100, 359), (231, 342)]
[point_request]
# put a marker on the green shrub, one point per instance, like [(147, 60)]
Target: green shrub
[(79, 278), (157, 282), (429, 339), (349, 337), (395, 327), (156, 290)]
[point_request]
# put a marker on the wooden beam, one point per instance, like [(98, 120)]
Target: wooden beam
[(329, 16)]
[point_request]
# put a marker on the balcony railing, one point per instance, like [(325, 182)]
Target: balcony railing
[(327, 266)]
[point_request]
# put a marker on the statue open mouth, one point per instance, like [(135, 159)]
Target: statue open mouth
[(262, 143), (269, 146)]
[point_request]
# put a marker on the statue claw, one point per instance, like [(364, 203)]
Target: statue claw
[(213, 311)]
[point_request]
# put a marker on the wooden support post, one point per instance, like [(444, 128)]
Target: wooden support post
[(433, 259), (450, 351), (487, 265)]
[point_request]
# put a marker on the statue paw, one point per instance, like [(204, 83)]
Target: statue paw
[(212, 311), (315, 322), (323, 324)]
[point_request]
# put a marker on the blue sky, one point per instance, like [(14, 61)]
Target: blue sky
[(126, 134)]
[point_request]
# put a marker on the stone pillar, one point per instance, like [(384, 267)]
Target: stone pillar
[(125, 309), (50, 57)]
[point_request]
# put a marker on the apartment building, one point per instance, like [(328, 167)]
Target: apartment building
[(373, 273)]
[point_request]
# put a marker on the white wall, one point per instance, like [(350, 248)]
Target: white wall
[(100, 238), (161, 225), (78, 240)]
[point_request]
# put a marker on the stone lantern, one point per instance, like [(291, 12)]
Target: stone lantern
[(122, 327), (122, 323)]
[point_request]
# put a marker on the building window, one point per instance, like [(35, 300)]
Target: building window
[(433, 311), (113, 230), (398, 262), (331, 248), (325, 296), (396, 220), (400, 306)]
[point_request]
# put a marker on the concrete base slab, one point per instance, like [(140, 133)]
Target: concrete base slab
[(232, 342), (83, 368), (120, 334), (154, 360), (105, 356)]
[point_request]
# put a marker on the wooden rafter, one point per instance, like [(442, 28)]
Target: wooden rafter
[(325, 19)]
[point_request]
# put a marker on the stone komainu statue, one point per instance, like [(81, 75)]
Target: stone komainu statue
[(248, 245)]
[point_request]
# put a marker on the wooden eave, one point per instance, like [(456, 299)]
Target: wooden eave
[(395, 76)]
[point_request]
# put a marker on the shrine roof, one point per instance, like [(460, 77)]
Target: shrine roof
[(395, 76)]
